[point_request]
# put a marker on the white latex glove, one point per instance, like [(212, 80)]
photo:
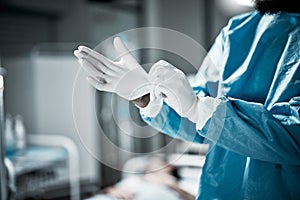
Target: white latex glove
[(171, 84), (125, 77)]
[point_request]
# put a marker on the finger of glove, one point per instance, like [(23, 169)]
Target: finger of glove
[(161, 70), (170, 97), (161, 91), (165, 78), (110, 70), (155, 94), (106, 61), (123, 52), (80, 54), (90, 69), (99, 85)]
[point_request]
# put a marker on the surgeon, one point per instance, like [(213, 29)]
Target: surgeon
[(246, 103)]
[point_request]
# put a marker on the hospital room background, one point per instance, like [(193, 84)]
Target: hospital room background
[(60, 138)]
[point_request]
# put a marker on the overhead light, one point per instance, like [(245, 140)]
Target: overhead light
[(248, 3), (234, 7)]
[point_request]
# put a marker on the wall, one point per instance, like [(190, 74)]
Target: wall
[(36, 50)]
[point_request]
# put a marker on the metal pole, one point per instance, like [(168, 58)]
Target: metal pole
[(3, 190)]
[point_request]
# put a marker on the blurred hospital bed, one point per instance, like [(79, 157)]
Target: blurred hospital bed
[(188, 166)]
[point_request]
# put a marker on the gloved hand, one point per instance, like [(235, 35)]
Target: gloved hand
[(125, 77), (170, 83)]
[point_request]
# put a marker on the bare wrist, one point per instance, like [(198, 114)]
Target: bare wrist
[(142, 101)]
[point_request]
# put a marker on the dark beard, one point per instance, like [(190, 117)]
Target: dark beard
[(275, 6)]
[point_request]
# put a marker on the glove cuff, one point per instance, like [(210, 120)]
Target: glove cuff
[(202, 110), (154, 106), (139, 91)]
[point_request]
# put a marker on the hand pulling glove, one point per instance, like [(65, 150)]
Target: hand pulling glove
[(171, 84)]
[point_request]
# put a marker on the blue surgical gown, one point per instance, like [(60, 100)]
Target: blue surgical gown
[(254, 134)]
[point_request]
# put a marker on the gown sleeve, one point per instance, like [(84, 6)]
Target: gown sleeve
[(250, 129)]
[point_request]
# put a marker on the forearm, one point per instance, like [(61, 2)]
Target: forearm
[(169, 122)]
